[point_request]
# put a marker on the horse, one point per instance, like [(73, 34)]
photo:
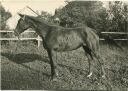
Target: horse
[(59, 39)]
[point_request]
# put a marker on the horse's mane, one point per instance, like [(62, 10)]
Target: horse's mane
[(39, 20), (36, 19)]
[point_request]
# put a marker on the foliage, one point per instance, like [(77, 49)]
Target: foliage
[(80, 12), (45, 16), (119, 14), (94, 15), (5, 15)]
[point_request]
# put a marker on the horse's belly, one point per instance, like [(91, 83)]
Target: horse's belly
[(68, 43)]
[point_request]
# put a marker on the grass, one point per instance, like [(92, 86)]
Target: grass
[(28, 68)]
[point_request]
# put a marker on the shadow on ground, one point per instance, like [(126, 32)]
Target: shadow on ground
[(16, 76), (21, 58), (24, 57)]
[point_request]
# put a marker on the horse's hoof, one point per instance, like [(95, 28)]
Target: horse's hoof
[(103, 76), (89, 75), (57, 74), (54, 79)]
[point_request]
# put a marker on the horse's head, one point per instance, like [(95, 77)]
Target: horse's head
[(22, 25)]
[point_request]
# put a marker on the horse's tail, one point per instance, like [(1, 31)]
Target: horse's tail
[(110, 41)]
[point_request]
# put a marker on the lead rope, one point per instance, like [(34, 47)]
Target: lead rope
[(17, 44)]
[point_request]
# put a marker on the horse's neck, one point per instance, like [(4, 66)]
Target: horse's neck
[(41, 29)]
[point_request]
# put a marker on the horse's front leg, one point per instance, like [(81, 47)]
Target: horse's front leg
[(100, 60), (53, 64)]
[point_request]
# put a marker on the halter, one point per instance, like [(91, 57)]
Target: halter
[(17, 45), (23, 18)]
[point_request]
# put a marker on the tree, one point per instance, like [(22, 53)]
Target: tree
[(119, 16), (81, 12), (94, 15), (45, 16), (4, 16)]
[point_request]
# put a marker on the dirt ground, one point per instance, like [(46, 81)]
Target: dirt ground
[(28, 68)]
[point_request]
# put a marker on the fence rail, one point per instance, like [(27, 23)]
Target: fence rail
[(114, 32), (101, 32), (39, 39), (5, 31), (36, 38)]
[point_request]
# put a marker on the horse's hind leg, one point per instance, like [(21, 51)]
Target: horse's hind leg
[(90, 60), (105, 79), (100, 60)]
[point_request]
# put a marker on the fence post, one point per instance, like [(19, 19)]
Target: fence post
[(38, 39)]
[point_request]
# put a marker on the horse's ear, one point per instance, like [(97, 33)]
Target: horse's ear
[(21, 15)]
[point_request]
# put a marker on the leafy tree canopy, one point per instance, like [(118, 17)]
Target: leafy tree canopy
[(4, 16), (94, 15)]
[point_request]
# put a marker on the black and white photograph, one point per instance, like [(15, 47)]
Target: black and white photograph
[(64, 45)]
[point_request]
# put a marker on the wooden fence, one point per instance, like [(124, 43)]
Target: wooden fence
[(16, 38), (39, 39)]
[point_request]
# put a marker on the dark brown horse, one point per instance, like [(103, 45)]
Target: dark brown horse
[(59, 39)]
